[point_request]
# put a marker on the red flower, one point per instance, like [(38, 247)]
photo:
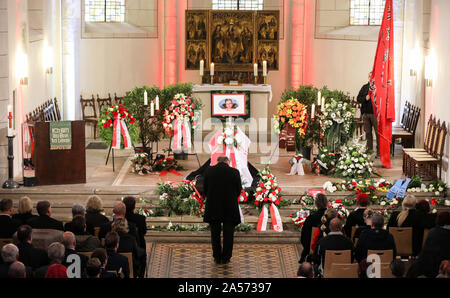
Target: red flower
[(371, 187), (280, 199), (279, 188), (277, 202), (132, 121), (256, 203), (110, 120), (106, 113), (191, 114), (338, 201), (434, 202), (141, 150), (144, 160), (144, 171), (274, 193), (354, 183), (261, 184), (123, 116), (106, 125)]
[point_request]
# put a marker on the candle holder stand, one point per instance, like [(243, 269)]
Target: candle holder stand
[(10, 183)]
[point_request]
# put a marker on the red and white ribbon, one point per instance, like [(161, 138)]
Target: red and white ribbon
[(241, 214), (120, 129), (262, 220), (181, 135), (297, 167), (276, 218)]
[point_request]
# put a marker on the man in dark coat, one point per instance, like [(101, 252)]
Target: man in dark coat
[(356, 218), (28, 254), (55, 254), (69, 242), (137, 219), (44, 220), (313, 220), (116, 261), (10, 254), (8, 226), (222, 188), (119, 211), (375, 238), (368, 117)]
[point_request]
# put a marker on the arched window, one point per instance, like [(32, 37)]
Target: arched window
[(238, 4), (104, 11), (366, 12)]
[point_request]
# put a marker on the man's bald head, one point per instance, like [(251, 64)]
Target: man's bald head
[(69, 240), (119, 209), (335, 225), (17, 270)]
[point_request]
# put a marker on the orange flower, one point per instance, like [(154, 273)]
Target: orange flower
[(294, 114)]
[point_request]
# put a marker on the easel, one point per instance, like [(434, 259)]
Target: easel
[(193, 149), (111, 149)]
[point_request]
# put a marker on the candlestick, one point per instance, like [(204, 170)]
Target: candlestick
[(212, 69), (145, 98), (202, 65), (10, 118), (313, 110), (318, 98), (212, 79), (152, 109), (265, 68), (157, 103)]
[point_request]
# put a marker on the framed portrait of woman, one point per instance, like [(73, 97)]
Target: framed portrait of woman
[(229, 104)]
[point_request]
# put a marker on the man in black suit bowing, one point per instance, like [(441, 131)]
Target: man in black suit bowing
[(222, 188)]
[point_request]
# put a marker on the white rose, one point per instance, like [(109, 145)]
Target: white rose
[(228, 131), (434, 211), (383, 203), (220, 140), (229, 141), (441, 188), (103, 121), (436, 193)]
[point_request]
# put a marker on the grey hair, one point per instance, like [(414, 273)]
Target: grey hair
[(378, 220), (17, 270), (10, 253), (56, 252), (78, 209), (224, 159)]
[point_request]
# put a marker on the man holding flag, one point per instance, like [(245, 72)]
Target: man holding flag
[(381, 85)]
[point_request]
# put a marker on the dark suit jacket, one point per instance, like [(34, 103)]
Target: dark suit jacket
[(4, 268), (376, 239), (141, 225), (84, 259), (31, 256), (331, 242), (366, 105), (45, 222), (104, 229), (313, 220), (222, 187), (117, 261), (128, 244), (23, 218), (355, 218), (94, 219), (8, 226)]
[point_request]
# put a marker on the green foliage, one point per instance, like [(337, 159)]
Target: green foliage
[(244, 227), (178, 199), (416, 181)]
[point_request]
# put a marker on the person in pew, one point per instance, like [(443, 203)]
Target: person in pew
[(28, 254), (77, 209), (17, 270), (69, 243), (375, 238), (128, 243), (84, 240), (367, 216), (444, 269), (44, 220), (305, 270), (93, 268), (55, 254), (398, 268), (8, 225), (425, 220), (313, 220), (355, 218), (119, 211), (335, 240), (324, 228), (100, 253), (116, 261), (24, 211), (56, 271), (10, 255), (137, 219), (94, 214)]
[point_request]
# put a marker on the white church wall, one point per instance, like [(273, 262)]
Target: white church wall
[(4, 88)]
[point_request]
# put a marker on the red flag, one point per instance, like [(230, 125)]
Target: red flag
[(382, 84)]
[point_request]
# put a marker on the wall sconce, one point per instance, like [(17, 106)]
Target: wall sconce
[(430, 68), (22, 67), (48, 59)]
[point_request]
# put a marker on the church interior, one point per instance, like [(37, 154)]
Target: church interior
[(102, 101)]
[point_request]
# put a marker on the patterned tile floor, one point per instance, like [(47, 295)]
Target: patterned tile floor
[(191, 260)]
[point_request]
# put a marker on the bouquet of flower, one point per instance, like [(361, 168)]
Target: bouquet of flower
[(106, 124), (339, 206), (392, 203), (181, 199), (299, 218), (243, 197), (165, 165), (268, 191), (293, 113), (354, 163), (338, 123), (229, 137), (182, 108), (141, 163), (324, 163)]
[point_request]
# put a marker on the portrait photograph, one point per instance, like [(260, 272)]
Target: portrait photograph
[(228, 104)]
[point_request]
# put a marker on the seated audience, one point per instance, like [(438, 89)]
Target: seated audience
[(28, 254), (375, 238), (8, 225), (398, 268), (93, 268), (17, 270), (55, 253), (44, 220), (355, 218), (444, 269), (94, 214), (10, 255), (324, 229), (313, 220), (77, 209), (305, 270), (24, 212), (435, 250), (137, 219), (116, 261), (334, 240), (85, 241), (119, 211), (425, 220), (69, 243), (367, 216), (128, 243), (101, 255)]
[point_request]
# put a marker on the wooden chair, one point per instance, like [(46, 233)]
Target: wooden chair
[(407, 131), (335, 256), (89, 112), (86, 253), (385, 270), (103, 102), (117, 100), (129, 255), (359, 122), (4, 241), (57, 111), (403, 240), (386, 256), (344, 270)]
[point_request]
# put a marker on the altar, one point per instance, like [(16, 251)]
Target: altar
[(260, 96)]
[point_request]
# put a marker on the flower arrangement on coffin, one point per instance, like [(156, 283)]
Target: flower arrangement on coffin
[(268, 195), (338, 123), (166, 165), (437, 187), (229, 138), (117, 127), (293, 113), (141, 163), (339, 206), (181, 199), (296, 163), (392, 204), (324, 163), (299, 217), (354, 163), (364, 185)]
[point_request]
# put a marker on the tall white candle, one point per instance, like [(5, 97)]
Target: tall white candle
[(10, 130), (313, 110), (202, 66), (319, 97), (323, 103), (212, 69), (152, 109), (145, 98), (265, 68), (157, 103), (255, 69)]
